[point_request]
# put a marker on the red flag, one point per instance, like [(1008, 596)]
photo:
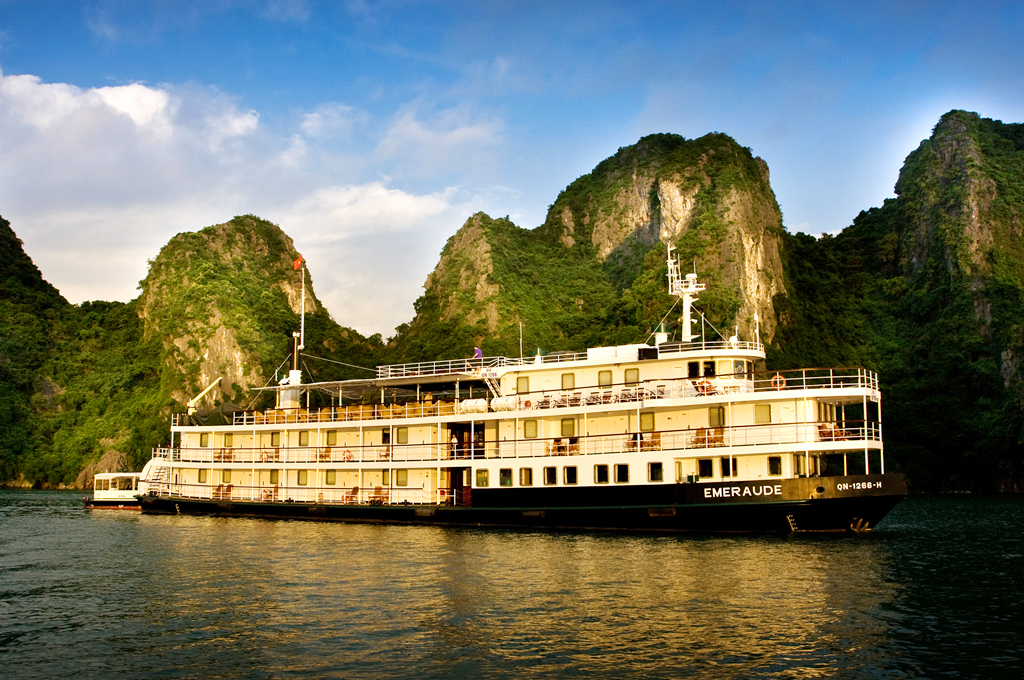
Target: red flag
[(298, 262)]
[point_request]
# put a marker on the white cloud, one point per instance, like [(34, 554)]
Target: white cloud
[(334, 213), (451, 139), (144, 105), (96, 181), (371, 247), (330, 120)]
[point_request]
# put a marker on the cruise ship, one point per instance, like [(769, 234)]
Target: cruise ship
[(692, 435)]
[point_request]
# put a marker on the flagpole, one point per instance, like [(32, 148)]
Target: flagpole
[(302, 327)]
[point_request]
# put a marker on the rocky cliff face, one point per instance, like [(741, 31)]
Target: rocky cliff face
[(929, 290), (217, 299), (598, 259)]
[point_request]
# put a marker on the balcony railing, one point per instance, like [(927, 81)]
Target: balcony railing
[(841, 435), (476, 365), (648, 391), (307, 494)]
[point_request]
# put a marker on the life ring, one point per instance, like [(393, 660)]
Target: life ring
[(348, 455), (778, 382), (527, 404), (705, 387)]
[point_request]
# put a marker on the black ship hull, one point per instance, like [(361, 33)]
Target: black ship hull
[(825, 504)]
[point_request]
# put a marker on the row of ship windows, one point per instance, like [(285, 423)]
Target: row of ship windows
[(302, 477), (549, 475), (736, 368), (655, 473), (716, 418)]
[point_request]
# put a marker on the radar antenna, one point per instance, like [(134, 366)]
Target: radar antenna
[(686, 289)]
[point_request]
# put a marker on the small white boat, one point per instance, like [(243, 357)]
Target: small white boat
[(114, 490)]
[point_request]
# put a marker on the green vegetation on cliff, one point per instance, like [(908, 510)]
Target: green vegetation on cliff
[(594, 273), (929, 290), (81, 383)]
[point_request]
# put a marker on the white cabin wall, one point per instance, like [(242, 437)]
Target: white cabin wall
[(787, 412)]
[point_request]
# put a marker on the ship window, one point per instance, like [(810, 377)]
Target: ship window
[(604, 378), (525, 476), (600, 474), (302, 477), (693, 369), (402, 435), (229, 440), (709, 369), (304, 438), (385, 435), (225, 476), (275, 438), (202, 476), (386, 477), (275, 476), (762, 413), (750, 370), (523, 384), (647, 421), (330, 477), (332, 437), (505, 477), (705, 468), (530, 429), (568, 427), (739, 368), (716, 416), (569, 474), (632, 376), (798, 464), (724, 366), (655, 472), (728, 467), (621, 473), (204, 438), (568, 381), (775, 465), (482, 478), (401, 478)]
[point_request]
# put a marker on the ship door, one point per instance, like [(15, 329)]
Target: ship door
[(469, 440), (458, 485)]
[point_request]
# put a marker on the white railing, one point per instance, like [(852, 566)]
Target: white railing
[(475, 365), (645, 391), (306, 494), (814, 433)]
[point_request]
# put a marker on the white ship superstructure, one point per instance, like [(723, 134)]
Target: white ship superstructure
[(687, 435)]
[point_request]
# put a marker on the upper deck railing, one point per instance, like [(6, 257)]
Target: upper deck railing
[(476, 366), (822, 435), (647, 393)]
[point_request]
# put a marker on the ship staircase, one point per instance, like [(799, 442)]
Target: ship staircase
[(160, 481), (490, 377)]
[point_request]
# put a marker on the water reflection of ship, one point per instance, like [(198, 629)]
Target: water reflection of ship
[(690, 435)]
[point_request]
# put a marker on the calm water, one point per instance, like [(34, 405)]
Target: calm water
[(937, 591)]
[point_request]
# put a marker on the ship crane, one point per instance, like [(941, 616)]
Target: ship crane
[(192, 402), (686, 289)]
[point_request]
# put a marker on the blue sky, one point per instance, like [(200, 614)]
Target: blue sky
[(370, 130)]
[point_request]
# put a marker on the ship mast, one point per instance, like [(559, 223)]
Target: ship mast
[(684, 289)]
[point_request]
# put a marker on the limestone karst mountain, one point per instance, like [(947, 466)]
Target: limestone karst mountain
[(594, 272), (928, 289)]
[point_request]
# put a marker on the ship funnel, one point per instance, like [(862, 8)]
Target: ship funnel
[(660, 334)]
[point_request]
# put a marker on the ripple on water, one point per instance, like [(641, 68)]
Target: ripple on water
[(935, 592)]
